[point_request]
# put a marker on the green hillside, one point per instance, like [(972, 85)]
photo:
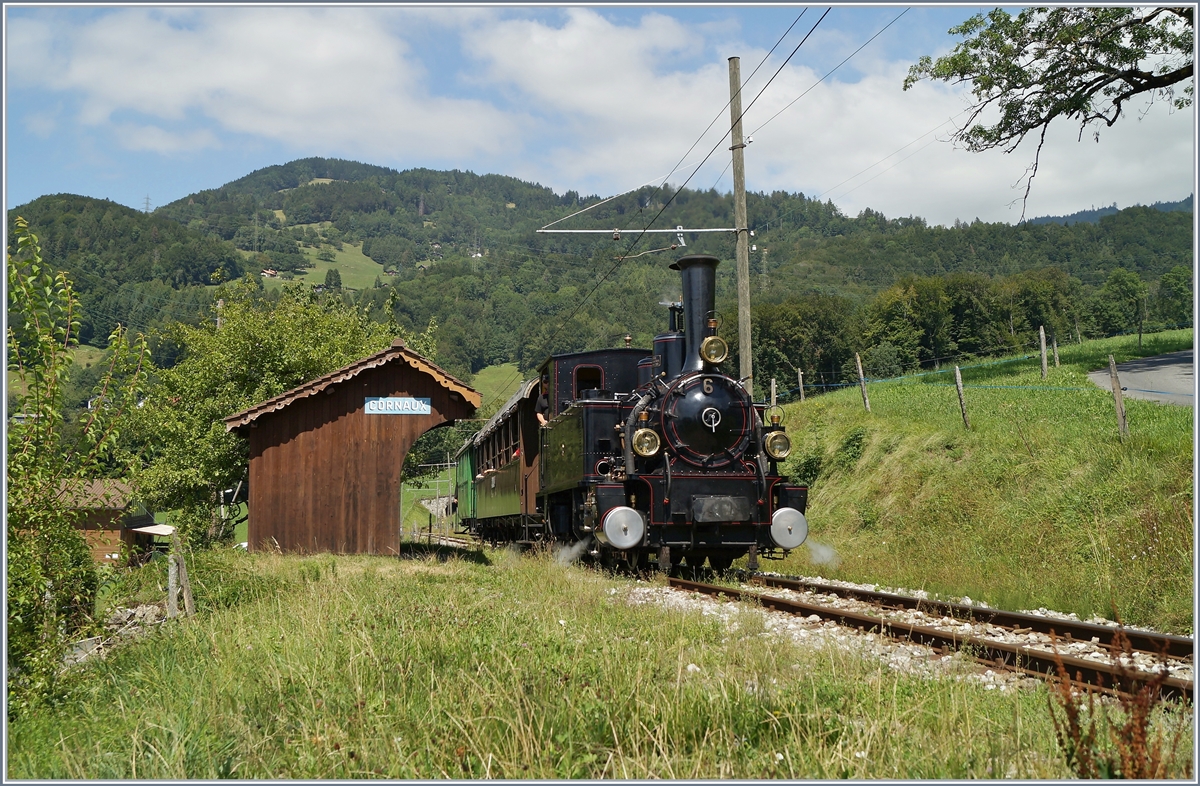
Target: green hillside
[(462, 249), (1040, 503)]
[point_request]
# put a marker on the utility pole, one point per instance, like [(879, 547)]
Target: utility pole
[(746, 367), (147, 210)]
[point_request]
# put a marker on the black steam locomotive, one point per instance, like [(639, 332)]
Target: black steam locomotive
[(642, 454)]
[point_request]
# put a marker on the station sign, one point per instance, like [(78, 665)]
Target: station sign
[(377, 405)]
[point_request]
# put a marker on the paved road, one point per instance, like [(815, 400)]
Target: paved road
[(1166, 378)]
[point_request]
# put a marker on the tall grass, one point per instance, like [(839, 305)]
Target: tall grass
[(506, 667), (1039, 503)]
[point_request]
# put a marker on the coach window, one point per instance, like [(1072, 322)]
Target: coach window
[(588, 378)]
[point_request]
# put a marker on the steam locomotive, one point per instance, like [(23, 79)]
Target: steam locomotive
[(643, 455)]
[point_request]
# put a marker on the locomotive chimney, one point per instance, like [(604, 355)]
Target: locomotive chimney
[(699, 301)]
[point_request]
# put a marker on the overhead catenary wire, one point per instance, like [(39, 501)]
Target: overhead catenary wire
[(637, 239), (829, 73), (707, 128), (634, 242)]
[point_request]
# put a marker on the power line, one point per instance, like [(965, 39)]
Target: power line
[(637, 239), (830, 73), (711, 123)]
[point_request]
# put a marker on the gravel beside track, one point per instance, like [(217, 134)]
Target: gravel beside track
[(907, 656)]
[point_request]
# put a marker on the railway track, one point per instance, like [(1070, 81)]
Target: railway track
[(980, 632)]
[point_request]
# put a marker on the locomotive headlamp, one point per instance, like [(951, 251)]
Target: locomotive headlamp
[(714, 349), (646, 442), (777, 445)]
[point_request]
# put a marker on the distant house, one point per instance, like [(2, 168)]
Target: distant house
[(269, 273), (109, 516)]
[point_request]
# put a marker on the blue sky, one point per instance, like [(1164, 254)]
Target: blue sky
[(125, 103)]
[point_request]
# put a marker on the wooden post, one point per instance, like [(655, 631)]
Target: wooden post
[(1042, 340), (1117, 401), (1056, 352), (172, 585), (800, 379), (772, 391), (745, 368), (962, 405), (1078, 337), (862, 382), (177, 578), (185, 583)]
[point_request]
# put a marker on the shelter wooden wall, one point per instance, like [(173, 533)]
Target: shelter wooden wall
[(325, 476)]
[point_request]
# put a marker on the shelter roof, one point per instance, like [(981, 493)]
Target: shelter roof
[(99, 494), (397, 352)]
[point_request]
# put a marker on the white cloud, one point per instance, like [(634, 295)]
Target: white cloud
[(134, 136), (563, 97), (307, 78)]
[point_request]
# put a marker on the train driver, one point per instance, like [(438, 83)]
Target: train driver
[(543, 403)]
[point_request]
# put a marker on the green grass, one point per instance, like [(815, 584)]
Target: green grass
[(504, 666), (357, 271), (1040, 503), (416, 516), (83, 355), (496, 384)]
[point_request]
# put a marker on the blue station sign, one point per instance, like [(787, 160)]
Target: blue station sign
[(398, 406)]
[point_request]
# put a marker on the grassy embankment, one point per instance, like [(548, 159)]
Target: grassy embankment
[(505, 666), (1040, 503)]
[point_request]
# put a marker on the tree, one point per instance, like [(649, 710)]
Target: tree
[(1173, 303), (51, 577), (1078, 63), (1119, 305), (333, 279), (265, 346)]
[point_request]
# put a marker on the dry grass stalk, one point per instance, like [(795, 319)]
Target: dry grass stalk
[(1134, 750)]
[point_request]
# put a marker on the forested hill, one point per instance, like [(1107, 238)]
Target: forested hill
[(463, 249), (1096, 213), (127, 266)]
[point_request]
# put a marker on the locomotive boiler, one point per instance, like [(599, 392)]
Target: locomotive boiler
[(644, 455)]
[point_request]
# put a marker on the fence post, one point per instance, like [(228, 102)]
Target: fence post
[(172, 585), (1117, 401), (962, 404), (862, 382), (800, 379), (189, 603), (1056, 352), (1042, 339)]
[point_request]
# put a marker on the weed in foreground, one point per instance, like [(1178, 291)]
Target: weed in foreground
[(1094, 744)]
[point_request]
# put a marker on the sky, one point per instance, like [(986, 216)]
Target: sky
[(144, 105)]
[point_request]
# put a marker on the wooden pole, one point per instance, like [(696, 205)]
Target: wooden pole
[(177, 578), (1056, 352), (862, 382), (800, 379), (1042, 340), (772, 391), (746, 366), (172, 585), (962, 404), (1122, 426), (185, 583)]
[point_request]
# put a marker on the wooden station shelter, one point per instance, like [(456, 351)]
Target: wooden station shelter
[(325, 457)]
